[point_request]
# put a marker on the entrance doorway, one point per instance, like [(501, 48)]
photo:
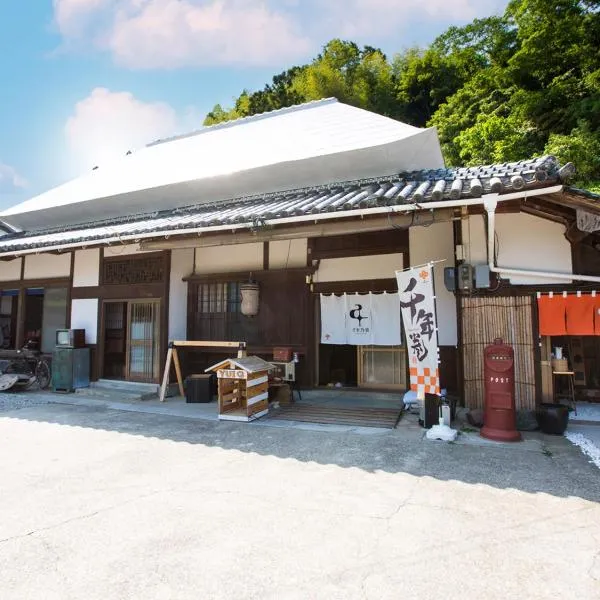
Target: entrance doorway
[(131, 335), (368, 367)]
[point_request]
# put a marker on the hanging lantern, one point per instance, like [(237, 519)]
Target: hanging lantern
[(250, 298)]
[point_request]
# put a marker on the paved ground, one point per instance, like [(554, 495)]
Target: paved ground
[(104, 504)]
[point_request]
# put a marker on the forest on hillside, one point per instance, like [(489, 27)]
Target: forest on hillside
[(499, 89)]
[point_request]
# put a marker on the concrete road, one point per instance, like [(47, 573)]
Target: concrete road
[(104, 504)]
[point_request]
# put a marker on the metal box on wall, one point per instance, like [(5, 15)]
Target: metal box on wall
[(70, 369)]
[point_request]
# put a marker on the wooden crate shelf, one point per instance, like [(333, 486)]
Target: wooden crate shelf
[(243, 388)]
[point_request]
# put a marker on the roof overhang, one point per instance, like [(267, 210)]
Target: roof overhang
[(344, 215)]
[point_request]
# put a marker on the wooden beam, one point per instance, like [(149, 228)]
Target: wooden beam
[(575, 235), (178, 371), (165, 381), (205, 344), (243, 275)]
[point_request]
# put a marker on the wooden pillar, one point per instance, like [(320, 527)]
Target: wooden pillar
[(20, 334)]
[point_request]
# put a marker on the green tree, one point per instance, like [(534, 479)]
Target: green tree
[(581, 147), (499, 89)]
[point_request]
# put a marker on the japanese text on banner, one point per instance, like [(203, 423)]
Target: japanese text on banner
[(417, 304)]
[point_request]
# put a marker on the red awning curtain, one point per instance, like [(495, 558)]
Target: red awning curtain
[(580, 315), (552, 315)]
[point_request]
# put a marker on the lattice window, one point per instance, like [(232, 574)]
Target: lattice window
[(217, 312), (135, 270)]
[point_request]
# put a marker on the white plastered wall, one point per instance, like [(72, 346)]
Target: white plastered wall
[(47, 266), (288, 253), (182, 264), (10, 270), (84, 315), (354, 268), (229, 259), (433, 243), (523, 242), (86, 270)]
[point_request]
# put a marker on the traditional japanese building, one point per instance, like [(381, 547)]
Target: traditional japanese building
[(313, 201)]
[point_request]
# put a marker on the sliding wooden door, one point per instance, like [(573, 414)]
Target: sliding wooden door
[(143, 343)]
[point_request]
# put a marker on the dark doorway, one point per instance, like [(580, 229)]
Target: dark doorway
[(338, 365)]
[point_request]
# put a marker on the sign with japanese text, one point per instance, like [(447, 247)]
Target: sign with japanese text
[(361, 319), (417, 303)]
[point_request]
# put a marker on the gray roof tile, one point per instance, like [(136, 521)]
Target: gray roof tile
[(418, 187)]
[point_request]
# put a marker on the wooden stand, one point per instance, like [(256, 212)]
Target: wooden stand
[(243, 388), (172, 355)]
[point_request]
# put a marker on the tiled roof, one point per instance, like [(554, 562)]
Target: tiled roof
[(344, 199), (309, 144)]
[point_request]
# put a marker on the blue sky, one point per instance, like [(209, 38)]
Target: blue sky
[(85, 80)]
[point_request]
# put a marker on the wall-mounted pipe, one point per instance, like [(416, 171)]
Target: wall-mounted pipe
[(490, 204)]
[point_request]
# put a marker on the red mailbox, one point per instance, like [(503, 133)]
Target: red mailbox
[(500, 417)]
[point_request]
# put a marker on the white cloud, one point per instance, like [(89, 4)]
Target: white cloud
[(10, 180), (179, 33), (360, 18), (105, 125)]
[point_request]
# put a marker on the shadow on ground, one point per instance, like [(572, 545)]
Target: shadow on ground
[(541, 464)]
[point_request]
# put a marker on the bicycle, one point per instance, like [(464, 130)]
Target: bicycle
[(30, 367)]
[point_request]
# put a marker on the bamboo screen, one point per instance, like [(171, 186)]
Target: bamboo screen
[(483, 320)]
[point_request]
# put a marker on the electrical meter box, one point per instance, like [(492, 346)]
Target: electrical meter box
[(465, 277)]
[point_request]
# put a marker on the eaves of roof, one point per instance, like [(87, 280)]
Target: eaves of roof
[(414, 189)]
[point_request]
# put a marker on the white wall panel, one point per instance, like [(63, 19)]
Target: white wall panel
[(474, 240), (84, 315), (47, 266), (182, 264), (528, 242), (381, 266), (432, 243), (10, 270), (229, 259), (522, 242), (288, 253), (86, 271)]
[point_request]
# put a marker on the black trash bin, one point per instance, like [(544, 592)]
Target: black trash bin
[(199, 388), (430, 415)]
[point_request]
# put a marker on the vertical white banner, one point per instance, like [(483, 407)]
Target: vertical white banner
[(417, 302), (359, 321), (387, 325), (333, 319)]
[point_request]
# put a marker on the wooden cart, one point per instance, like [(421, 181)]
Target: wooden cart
[(243, 388)]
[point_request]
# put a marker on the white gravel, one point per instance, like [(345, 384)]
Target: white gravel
[(587, 446), (586, 411)]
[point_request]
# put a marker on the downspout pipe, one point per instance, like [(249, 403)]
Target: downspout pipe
[(490, 205)]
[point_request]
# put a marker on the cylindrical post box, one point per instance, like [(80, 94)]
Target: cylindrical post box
[(500, 415)]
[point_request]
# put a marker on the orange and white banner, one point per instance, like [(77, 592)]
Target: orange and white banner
[(417, 303)]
